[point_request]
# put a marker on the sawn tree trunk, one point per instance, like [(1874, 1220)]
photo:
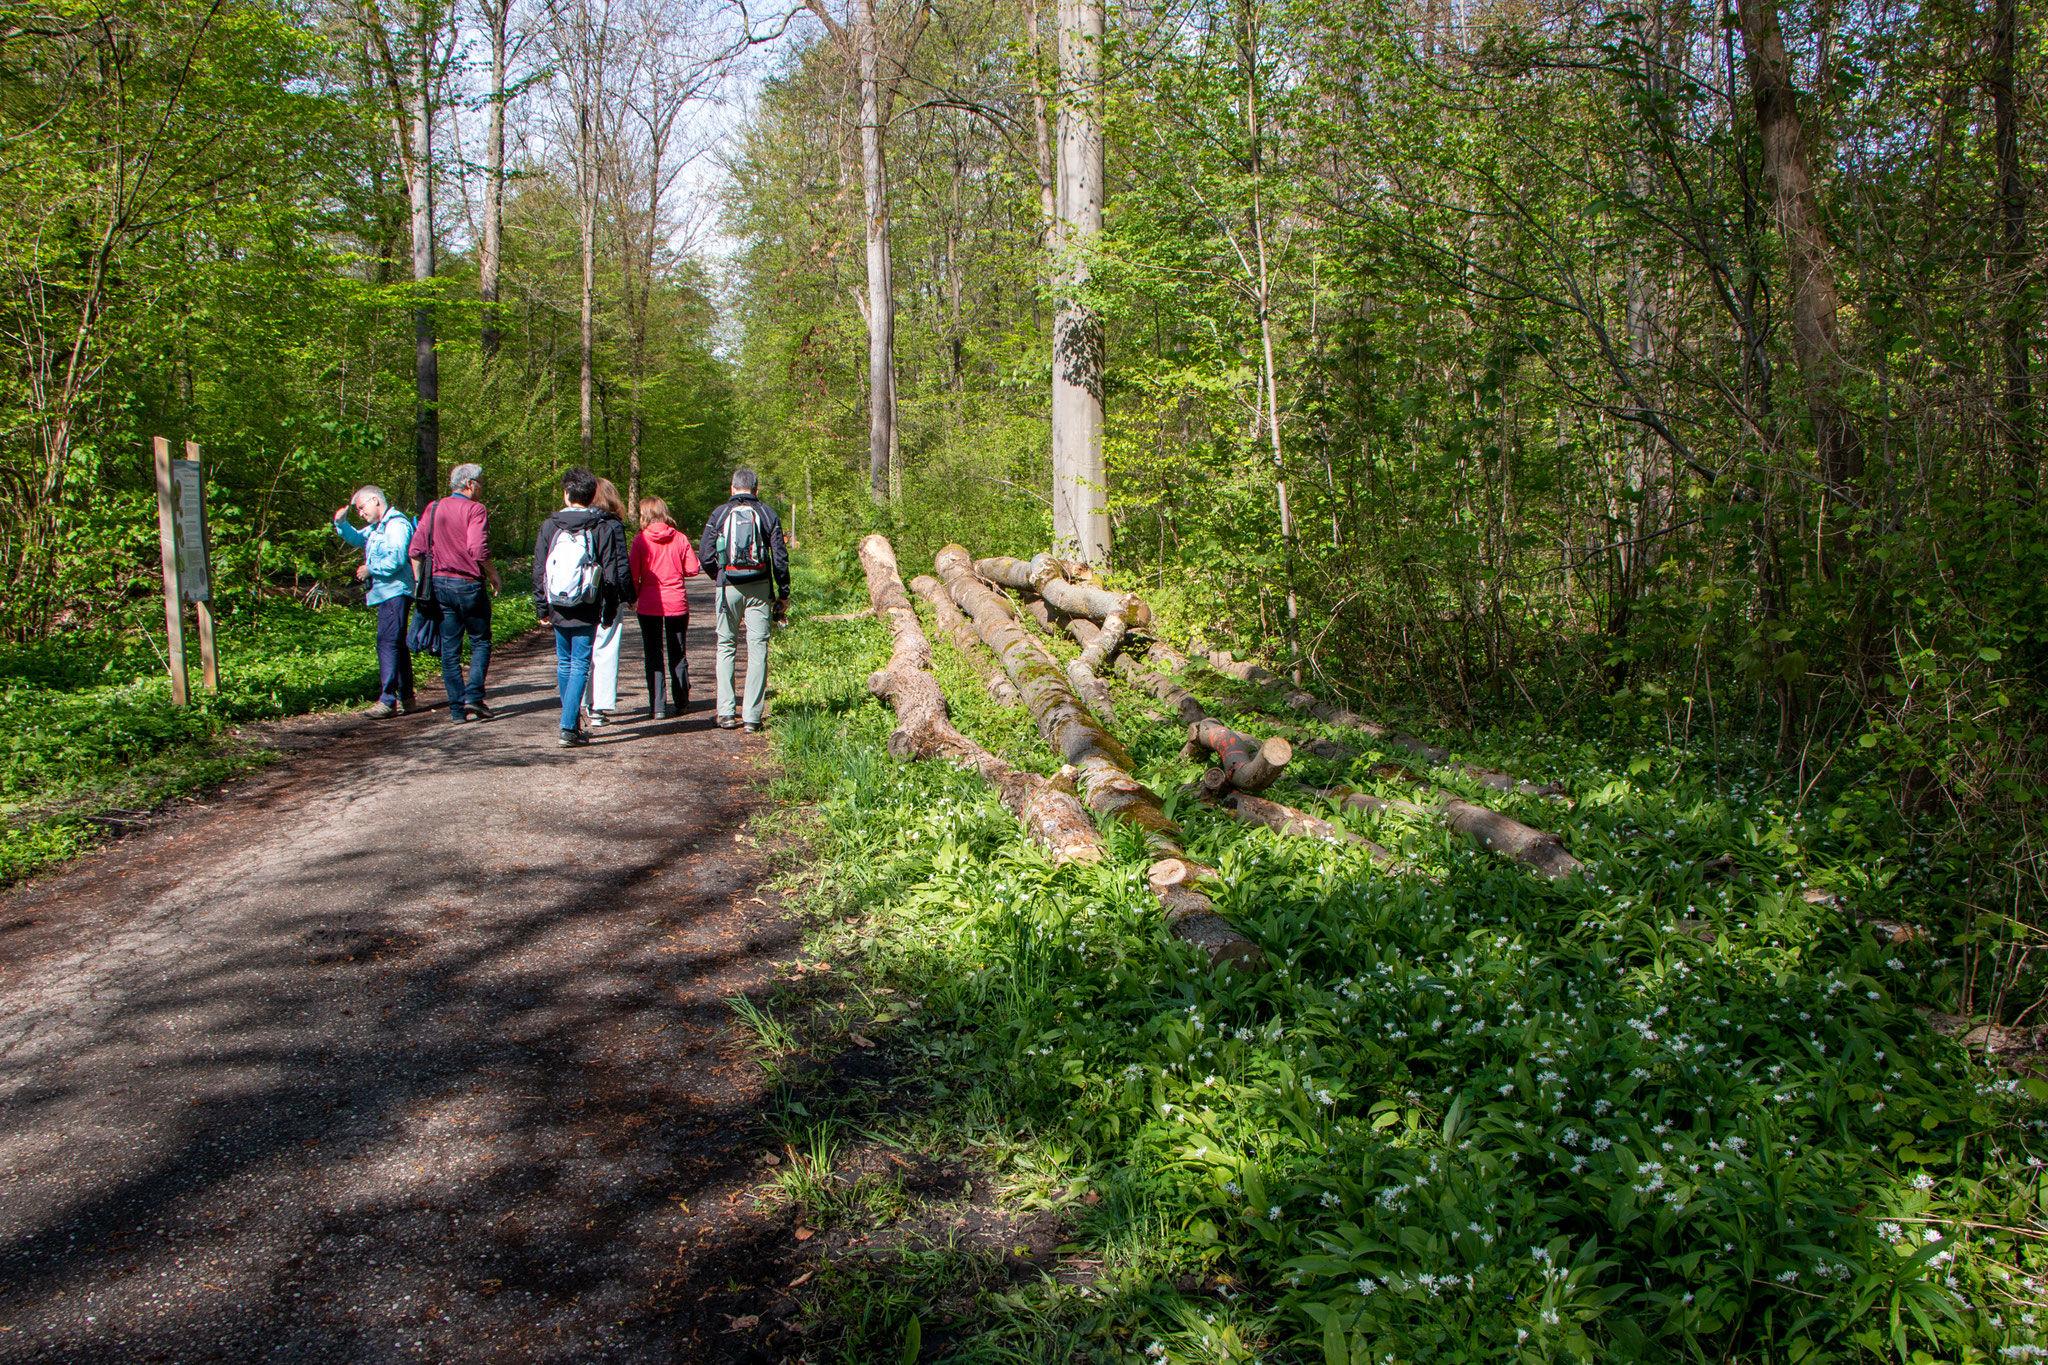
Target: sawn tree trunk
[(961, 632), (1104, 768), (1048, 808)]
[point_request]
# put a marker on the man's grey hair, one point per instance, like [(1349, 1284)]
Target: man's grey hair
[(463, 475), (369, 490), (746, 480)]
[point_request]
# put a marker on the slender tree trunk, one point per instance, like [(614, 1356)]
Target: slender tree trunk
[(2012, 213), (1815, 301), (426, 359), (1265, 301), (497, 14), (1041, 128), (586, 139), (883, 478), (642, 304), (1080, 513)]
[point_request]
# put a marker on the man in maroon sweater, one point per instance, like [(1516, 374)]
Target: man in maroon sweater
[(456, 532)]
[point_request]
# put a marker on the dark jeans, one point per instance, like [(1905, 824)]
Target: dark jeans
[(465, 610), (394, 660), (572, 669), (668, 672)]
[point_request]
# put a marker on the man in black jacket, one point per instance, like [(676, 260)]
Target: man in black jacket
[(745, 555), (580, 576)]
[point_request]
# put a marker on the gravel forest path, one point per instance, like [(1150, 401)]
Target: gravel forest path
[(411, 1047)]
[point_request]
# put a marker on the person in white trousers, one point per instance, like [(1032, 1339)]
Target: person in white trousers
[(602, 696)]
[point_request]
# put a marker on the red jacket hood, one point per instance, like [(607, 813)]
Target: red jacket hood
[(660, 532)]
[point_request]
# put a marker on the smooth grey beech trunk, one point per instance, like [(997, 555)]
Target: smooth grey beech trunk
[(1080, 516), (426, 365), (586, 222), (881, 310), (490, 252)]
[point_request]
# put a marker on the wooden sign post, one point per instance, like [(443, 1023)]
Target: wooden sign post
[(181, 534)]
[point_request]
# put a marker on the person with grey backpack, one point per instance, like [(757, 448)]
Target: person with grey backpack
[(580, 576), (745, 555)]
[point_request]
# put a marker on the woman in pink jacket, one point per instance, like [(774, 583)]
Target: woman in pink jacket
[(663, 560)]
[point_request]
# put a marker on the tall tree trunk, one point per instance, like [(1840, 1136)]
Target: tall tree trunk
[(883, 478), (426, 359), (497, 17), (2012, 213), (636, 268), (1265, 302), (1041, 129), (1080, 515), (586, 190), (1815, 301)]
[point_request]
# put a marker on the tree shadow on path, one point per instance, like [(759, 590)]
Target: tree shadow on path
[(411, 1048)]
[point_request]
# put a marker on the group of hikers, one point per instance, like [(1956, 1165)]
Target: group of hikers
[(431, 583)]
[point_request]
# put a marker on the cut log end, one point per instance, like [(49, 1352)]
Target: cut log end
[(1172, 872), (1249, 763)]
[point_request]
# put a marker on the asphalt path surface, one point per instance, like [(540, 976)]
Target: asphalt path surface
[(411, 1047)]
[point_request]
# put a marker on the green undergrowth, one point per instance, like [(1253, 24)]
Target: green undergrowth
[(1638, 1115), (92, 738)]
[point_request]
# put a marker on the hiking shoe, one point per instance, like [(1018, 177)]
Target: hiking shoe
[(457, 716), (728, 722), (406, 706), (754, 727), (380, 710), (596, 718), (574, 739), (479, 711)]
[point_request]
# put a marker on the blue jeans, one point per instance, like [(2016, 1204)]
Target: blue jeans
[(465, 610), (572, 668), (394, 660)]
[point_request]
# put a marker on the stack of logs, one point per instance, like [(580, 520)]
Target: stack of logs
[(1096, 785), (1096, 778)]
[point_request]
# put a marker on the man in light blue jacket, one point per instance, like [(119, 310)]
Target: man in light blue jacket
[(384, 541)]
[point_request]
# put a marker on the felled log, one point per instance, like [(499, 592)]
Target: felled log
[(1525, 844), (1503, 834), (1048, 808), (1331, 714), (1080, 676), (1993, 1040), (1102, 766), (1891, 931), (961, 632), (1315, 746), (1184, 702), (1045, 576), (1065, 723), (1249, 763), (1257, 810)]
